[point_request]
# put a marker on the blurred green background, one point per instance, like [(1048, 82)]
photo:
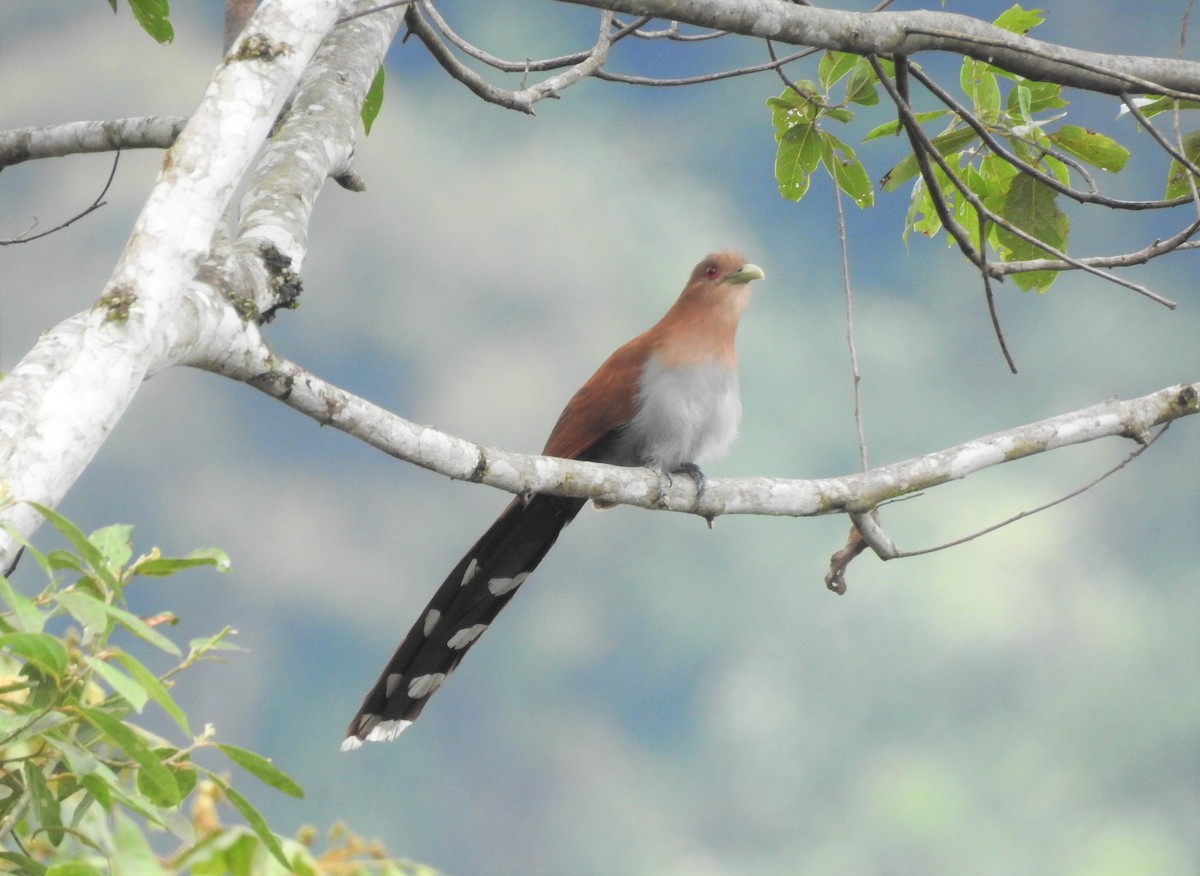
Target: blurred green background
[(663, 699)]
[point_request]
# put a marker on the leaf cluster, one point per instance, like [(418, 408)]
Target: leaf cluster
[(998, 167), (803, 145), (83, 783)]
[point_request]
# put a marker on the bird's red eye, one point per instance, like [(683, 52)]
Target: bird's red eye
[(712, 272)]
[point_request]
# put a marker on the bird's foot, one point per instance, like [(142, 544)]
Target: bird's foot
[(693, 471)]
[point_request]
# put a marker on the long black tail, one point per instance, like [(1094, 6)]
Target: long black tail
[(470, 598)]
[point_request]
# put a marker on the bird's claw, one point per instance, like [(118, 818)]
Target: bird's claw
[(693, 471)]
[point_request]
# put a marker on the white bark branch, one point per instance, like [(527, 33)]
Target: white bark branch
[(911, 33), (62, 400), (858, 493), (73, 138)]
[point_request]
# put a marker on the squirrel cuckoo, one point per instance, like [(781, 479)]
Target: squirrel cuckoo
[(668, 400)]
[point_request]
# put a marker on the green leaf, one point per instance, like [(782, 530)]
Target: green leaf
[(88, 610), (1018, 20), (893, 127), (833, 66), (25, 864), (373, 101), (1024, 99), (255, 821), (141, 629), (132, 849), (1031, 206), (794, 106), (25, 616), (200, 647), (73, 868), (128, 689), (838, 112), (979, 83), (263, 770), (42, 650), (160, 567), (154, 779), (185, 776), (1056, 167), (860, 87), (847, 171), (1039, 96), (152, 16), (1178, 184), (1151, 107), (156, 690), (114, 544), (98, 788), (60, 559), (1096, 149), (46, 808), (945, 143), (88, 551), (797, 157)]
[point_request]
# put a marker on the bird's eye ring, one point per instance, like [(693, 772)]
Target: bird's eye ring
[(712, 272)]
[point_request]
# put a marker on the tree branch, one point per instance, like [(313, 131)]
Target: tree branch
[(73, 138), (525, 98), (96, 204), (518, 473), (62, 400), (912, 33)]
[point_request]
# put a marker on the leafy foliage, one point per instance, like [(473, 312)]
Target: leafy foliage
[(1004, 163), (804, 144), (82, 781)]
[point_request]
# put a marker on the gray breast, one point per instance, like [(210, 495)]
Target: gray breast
[(685, 414)]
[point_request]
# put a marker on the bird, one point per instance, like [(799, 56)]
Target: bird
[(667, 400)]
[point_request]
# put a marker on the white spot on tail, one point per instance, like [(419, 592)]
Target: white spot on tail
[(431, 619), (463, 638), (421, 686), (393, 682), (500, 586), (472, 568), (386, 731), (365, 722)]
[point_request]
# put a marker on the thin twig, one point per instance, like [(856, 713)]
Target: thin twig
[(671, 32), (1021, 516), (627, 79), (1158, 136), (1183, 27), (464, 74), (779, 64), (991, 299), (1174, 243), (469, 48), (380, 8), (848, 298), (523, 100), (95, 205)]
